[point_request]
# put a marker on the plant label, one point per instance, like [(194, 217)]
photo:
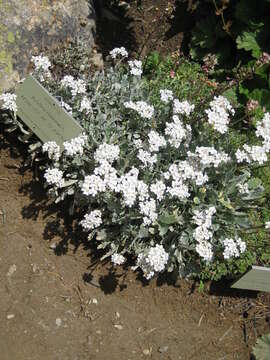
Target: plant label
[(43, 114), (258, 278)]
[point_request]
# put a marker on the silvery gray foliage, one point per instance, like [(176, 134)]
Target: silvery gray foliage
[(153, 180)]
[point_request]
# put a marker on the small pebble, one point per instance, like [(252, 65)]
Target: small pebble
[(118, 327), (11, 270), (163, 349), (94, 301), (117, 315), (58, 322), (98, 332), (53, 246), (10, 316), (146, 352)]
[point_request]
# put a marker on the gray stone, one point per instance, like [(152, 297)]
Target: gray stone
[(29, 26)]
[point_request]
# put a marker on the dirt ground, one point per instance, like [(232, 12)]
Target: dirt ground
[(56, 303)]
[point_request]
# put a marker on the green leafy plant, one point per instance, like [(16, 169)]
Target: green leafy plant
[(261, 350), (157, 174), (236, 32)]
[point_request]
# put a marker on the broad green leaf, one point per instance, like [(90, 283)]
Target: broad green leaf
[(248, 42)]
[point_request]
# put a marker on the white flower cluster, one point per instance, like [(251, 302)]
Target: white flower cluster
[(209, 156), (252, 153), (147, 158), (85, 105), (182, 108), (75, 146), (67, 107), (127, 185), (107, 152), (135, 67), (52, 149), (122, 52), (148, 209), (54, 176), (143, 109), (154, 262), (166, 96), (180, 173), (41, 63), (218, 114), (9, 102), (118, 259), (233, 248), (243, 188), (203, 234), (158, 188), (178, 188), (176, 132), (263, 130), (92, 220), (156, 141), (76, 86)]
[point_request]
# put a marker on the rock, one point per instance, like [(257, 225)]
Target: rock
[(118, 327), (10, 316), (163, 349), (29, 26), (58, 322), (12, 270)]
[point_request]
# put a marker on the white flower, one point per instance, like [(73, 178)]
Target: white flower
[(109, 174), (54, 176), (218, 114), (267, 225), (122, 52), (9, 102), (75, 146), (66, 106), (85, 105), (176, 132), (153, 262), (252, 153), (183, 108), (179, 190), (127, 185), (233, 248), (166, 96), (52, 149), (76, 86), (158, 188), (155, 141), (92, 185), (107, 152), (92, 220), (138, 143), (148, 209), (243, 188), (147, 158), (210, 156), (135, 67), (142, 190), (41, 63), (203, 232), (118, 259), (204, 249), (144, 110)]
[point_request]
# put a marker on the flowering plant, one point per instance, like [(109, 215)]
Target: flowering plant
[(157, 179)]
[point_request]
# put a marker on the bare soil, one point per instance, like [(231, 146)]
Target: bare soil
[(58, 303)]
